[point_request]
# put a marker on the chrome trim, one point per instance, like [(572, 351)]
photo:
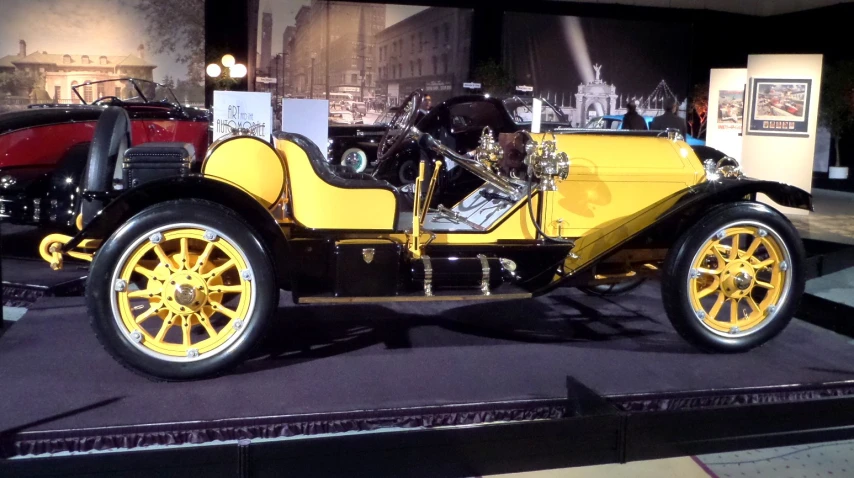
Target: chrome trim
[(368, 254), (546, 163), (484, 280), (471, 165), (428, 275), (456, 218)]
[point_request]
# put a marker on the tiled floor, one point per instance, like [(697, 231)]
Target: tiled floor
[(833, 219)]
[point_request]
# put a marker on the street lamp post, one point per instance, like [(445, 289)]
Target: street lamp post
[(311, 80)]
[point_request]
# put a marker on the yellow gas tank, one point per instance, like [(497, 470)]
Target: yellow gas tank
[(250, 163)]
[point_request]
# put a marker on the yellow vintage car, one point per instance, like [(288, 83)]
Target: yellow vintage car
[(189, 257)]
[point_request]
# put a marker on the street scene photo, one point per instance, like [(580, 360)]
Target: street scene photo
[(363, 57), (775, 101)]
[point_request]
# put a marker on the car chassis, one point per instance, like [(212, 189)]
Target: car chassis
[(186, 268)]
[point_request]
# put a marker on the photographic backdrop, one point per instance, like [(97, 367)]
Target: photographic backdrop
[(377, 54), (591, 67), (48, 46)]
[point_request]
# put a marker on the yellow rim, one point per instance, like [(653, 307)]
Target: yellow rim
[(739, 279), (193, 293)]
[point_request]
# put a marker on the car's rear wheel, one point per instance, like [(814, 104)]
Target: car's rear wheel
[(733, 281), (182, 291)]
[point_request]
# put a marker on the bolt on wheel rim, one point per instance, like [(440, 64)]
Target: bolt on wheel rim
[(191, 292), (739, 278)]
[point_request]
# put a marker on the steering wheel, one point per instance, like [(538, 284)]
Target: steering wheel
[(400, 123), (113, 99)]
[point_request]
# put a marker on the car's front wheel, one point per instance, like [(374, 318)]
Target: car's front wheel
[(182, 291), (733, 281)]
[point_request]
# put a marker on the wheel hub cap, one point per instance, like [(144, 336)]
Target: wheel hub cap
[(743, 280), (737, 279), (185, 292)]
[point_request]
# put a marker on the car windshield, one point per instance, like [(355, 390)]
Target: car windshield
[(522, 111), (386, 117), (127, 90), (604, 123)]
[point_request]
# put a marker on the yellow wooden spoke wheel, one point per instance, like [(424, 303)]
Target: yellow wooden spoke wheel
[(739, 278), (183, 293)]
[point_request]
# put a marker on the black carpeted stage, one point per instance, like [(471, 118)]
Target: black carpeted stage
[(332, 369)]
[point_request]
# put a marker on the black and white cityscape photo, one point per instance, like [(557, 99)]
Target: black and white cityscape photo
[(593, 67), (376, 55)]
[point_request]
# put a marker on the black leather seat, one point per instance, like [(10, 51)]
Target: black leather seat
[(112, 137), (335, 175)]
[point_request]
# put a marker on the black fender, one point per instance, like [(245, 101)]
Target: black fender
[(660, 224), (134, 200), (698, 200)]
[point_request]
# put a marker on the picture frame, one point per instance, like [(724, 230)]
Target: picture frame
[(779, 107)]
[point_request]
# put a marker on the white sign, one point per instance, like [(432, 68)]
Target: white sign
[(309, 118), (473, 86), (525, 88), (438, 86), (242, 109), (265, 79), (350, 89), (537, 120)]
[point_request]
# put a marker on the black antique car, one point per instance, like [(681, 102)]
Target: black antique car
[(355, 146), (462, 118), (44, 149)]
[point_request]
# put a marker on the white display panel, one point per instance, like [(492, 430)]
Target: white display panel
[(309, 118), (241, 109), (776, 157)]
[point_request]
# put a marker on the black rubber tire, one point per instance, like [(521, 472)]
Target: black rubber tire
[(98, 289), (677, 268), (407, 172), (613, 290)]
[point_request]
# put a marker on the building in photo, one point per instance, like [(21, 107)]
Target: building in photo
[(266, 42), (56, 73), (429, 50), (352, 52)]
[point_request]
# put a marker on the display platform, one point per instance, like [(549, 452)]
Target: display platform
[(25, 280), (367, 373), (26, 277)]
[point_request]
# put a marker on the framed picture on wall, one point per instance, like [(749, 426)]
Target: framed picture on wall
[(779, 107), (730, 110)]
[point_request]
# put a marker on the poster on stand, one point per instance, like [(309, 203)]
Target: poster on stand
[(780, 107), (730, 110), (242, 110)]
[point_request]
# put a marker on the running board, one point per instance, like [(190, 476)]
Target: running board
[(411, 298)]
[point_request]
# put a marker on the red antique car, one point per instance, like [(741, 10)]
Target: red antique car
[(44, 149)]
